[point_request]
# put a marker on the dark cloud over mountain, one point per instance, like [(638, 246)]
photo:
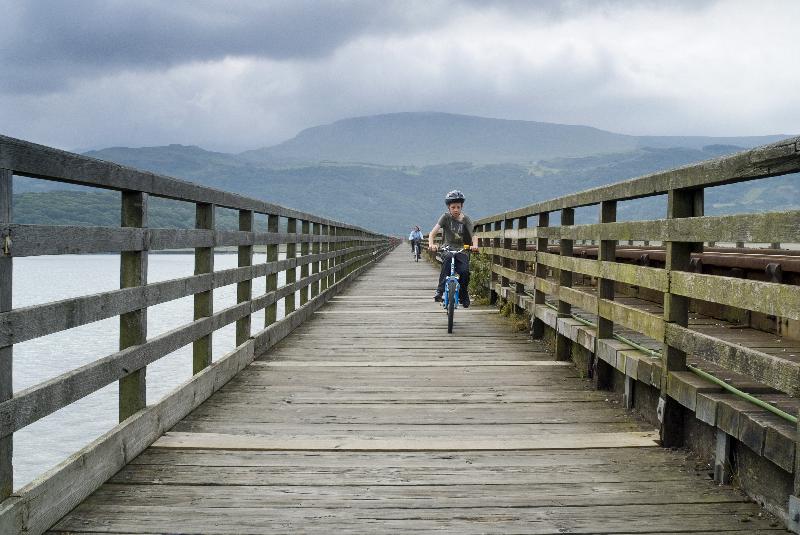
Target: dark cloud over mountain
[(240, 75)]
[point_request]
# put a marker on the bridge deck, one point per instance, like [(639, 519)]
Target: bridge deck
[(370, 418)]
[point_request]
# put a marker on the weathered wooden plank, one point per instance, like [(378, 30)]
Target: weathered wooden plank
[(34, 240), (555, 442), (781, 300), (685, 386), (771, 370), (620, 518), (396, 364), (633, 318), (578, 298), (527, 256), (735, 228)]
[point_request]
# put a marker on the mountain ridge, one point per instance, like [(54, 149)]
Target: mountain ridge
[(429, 138)]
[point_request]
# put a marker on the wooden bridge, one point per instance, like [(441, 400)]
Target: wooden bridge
[(357, 412)]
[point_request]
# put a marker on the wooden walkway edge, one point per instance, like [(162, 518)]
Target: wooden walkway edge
[(370, 418)]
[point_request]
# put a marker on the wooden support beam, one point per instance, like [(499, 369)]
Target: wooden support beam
[(540, 272), (505, 261), (244, 289), (325, 247), (203, 301), (602, 372), (291, 274), (496, 259), (335, 261), (793, 523), (563, 343), (6, 352), (680, 204), (133, 325), (522, 265), (315, 267), (271, 312), (304, 251), (723, 458), (629, 394)]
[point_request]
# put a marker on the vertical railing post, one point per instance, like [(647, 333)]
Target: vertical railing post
[(244, 289), (6, 352), (291, 273), (315, 250), (271, 312), (522, 265), (347, 245), (334, 278), (681, 203), (203, 301), (496, 260), (304, 250), (539, 272), (793, 523), (605, 290), (563, 343), (133, 325), (508, 226), (326, 264)]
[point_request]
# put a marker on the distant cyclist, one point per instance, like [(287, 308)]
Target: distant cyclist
[(415, 238), (458, 231)]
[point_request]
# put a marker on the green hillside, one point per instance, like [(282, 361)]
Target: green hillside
[(384, 198)]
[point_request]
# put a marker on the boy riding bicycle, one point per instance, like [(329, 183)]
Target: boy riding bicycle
[(458, 231)]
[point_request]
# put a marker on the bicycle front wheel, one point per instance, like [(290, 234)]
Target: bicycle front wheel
[(451, 305)]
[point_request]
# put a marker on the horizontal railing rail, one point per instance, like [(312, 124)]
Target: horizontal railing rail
[(523, 272), (328, 255)]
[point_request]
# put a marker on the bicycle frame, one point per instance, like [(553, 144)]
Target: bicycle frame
[(452, 277)]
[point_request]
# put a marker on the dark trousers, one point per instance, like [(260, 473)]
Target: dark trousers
[(412, 246), (462, 268)]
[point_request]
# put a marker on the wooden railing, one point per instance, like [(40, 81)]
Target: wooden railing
[(521, 272), (330, 255)]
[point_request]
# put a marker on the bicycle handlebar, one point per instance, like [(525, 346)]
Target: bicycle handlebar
[(448, 249)]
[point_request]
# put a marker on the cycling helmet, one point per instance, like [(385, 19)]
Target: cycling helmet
[(454, 196)]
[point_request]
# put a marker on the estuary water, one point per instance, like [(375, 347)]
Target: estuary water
[(44, 444)]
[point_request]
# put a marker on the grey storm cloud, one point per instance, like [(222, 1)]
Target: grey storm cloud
[(45, 43), (234, 75)]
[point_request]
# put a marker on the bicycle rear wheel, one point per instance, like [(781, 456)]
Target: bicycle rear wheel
[(451, 305)]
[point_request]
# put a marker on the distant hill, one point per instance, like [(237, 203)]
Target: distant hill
[(421, 139), (389, 198)]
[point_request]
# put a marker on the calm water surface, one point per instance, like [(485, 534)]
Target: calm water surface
[(44, 444)]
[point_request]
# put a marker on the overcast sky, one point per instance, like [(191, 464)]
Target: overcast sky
[(237, 75)]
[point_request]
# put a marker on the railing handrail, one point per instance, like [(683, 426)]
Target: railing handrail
[(39, 161), (778, 158)]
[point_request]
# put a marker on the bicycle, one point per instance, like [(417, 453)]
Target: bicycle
[(416, 251), (452, 285)]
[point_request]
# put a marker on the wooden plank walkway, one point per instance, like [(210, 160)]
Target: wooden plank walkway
[(370, 418)]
